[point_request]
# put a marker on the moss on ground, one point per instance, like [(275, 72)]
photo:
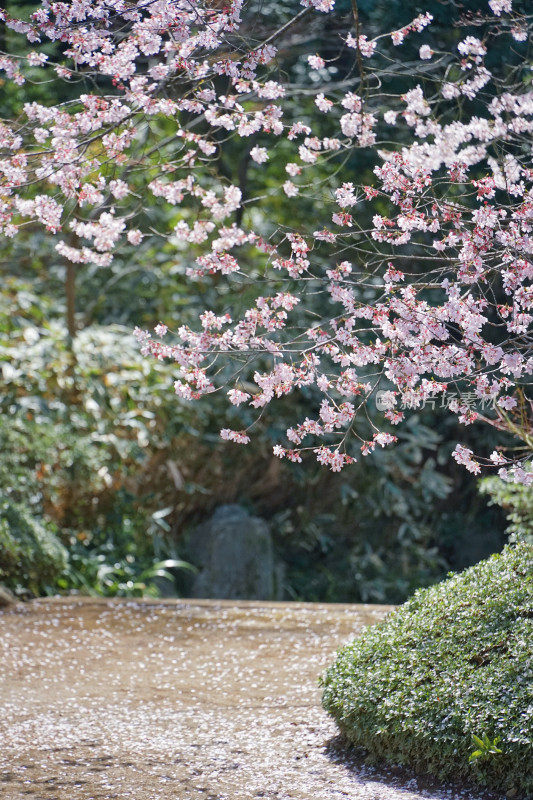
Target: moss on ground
[(453, 663)]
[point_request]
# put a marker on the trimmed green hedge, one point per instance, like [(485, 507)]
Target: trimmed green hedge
[(453, 663), (31, 557)]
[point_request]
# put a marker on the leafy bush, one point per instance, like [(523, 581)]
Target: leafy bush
[(31, 557), (517, 502), (86, 432), (371, 536), (444, 684)]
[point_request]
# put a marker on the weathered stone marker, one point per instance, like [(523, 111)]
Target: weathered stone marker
[(235, 556), (6, 598)]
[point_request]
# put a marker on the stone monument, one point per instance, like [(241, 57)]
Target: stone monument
[(234, 554)]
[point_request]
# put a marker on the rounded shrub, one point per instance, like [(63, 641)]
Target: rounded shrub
[(445, 683)]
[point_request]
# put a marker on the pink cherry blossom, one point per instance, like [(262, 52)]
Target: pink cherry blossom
[(424, 272), (240, 437), (259, 154), (322, 103), (316, 62)]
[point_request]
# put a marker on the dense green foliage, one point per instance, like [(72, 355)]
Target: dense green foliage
[(82, 429), (452, 664), (30, 554), (517, 502)]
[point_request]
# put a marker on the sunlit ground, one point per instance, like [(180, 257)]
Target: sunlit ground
[(154, 700)]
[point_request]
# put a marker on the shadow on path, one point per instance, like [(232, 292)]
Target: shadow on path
[(340, 751)]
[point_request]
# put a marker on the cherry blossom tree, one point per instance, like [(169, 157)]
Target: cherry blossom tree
[(414, 288)]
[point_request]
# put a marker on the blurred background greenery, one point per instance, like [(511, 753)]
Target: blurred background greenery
[(104, 471)]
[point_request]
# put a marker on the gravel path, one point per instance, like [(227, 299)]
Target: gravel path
[(181, 700)]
